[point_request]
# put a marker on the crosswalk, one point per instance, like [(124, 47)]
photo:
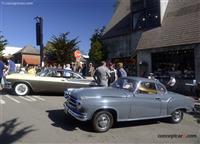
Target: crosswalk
[(19, 99)]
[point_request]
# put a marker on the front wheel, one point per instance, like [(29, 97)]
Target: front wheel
[(102, 121), (21, 89), (177, 116)]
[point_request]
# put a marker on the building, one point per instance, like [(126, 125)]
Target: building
[(27, 56), (163, 36)]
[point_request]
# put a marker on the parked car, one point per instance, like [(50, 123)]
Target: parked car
[(48, 80), (127, 99)]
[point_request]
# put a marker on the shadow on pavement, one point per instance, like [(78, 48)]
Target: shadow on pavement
[(67, 122), (10, 134), (196, 115)]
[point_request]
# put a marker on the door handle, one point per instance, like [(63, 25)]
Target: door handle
[(157, 99)]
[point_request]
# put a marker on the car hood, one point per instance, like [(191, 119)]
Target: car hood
[(98, 92)]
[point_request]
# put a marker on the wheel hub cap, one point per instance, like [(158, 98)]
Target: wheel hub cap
[(103, 121)]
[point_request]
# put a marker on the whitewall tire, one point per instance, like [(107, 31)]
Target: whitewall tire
[(21, 89)]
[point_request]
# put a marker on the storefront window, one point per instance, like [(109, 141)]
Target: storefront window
[(178, 63)]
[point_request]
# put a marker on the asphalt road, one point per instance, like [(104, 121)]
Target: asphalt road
[(40, 119)]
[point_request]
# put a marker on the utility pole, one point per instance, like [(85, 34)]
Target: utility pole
[(39, 37)]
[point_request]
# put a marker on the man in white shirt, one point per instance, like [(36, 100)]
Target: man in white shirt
[(171, 82)]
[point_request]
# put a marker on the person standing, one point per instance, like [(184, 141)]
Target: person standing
[(121, 71), (67, 67), (2, 67), (113, 74), (91, 70), (171, 83), (11, 66), (84, 70), (102, 74)]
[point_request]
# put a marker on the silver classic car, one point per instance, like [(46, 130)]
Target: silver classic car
[(130, 98), (48, 80)]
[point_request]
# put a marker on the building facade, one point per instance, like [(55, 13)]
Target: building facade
[(162, 36), (27, 56)]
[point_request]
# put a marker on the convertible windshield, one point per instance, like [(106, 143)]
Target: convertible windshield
[(124, 83), (43, 73)]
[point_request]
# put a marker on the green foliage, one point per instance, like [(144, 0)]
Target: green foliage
[(97, 52), (3, 43), (60, 49)]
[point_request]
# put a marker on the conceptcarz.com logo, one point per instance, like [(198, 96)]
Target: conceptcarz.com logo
[(171, 136)]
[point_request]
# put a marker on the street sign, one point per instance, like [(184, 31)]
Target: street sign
[(77, 54)]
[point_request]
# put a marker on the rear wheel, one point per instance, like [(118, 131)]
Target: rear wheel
[(21, 89), (177, 116), (102, 121)]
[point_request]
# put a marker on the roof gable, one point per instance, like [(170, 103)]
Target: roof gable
[(120, 22), (29, 50), (180, 26)]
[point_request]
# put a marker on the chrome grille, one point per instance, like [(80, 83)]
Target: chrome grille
[(71, 101)]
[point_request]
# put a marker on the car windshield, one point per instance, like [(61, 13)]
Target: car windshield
[(125, 83), (43, 72), (58, 73)]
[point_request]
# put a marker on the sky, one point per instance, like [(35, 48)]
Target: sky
[(78, 17)]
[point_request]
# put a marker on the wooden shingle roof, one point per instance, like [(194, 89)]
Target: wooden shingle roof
[(180, 26), (120, 22), (29, 50)]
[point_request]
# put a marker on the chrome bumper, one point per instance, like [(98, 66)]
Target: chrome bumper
[(78, 116), (7, 85)]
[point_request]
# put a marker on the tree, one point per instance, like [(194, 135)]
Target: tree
[(60, 49), (3, 43), (97, 52)]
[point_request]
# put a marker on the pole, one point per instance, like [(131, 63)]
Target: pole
[(41, 43), (39, 37)]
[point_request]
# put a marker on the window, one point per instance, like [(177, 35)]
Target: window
[(147, 88), (161, 89), (67, 74), (125, 83), (146, 14)]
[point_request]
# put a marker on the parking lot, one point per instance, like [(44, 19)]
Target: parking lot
[(40, 119)]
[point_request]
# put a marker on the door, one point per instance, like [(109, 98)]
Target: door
[(146, 102), (51, 81)]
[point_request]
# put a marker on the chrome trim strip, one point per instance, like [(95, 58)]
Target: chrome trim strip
[(120, 120)]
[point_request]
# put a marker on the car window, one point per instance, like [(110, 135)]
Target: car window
[(76, 76), (147, 88), (58, 74), (124, 83), (67, 74), (70, 74), (161, 89)]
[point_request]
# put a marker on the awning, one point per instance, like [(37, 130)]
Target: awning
[(31, 60)]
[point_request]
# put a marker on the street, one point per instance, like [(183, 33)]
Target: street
[(40, 119)]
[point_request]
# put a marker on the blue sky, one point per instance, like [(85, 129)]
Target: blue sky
[(79, 17)]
